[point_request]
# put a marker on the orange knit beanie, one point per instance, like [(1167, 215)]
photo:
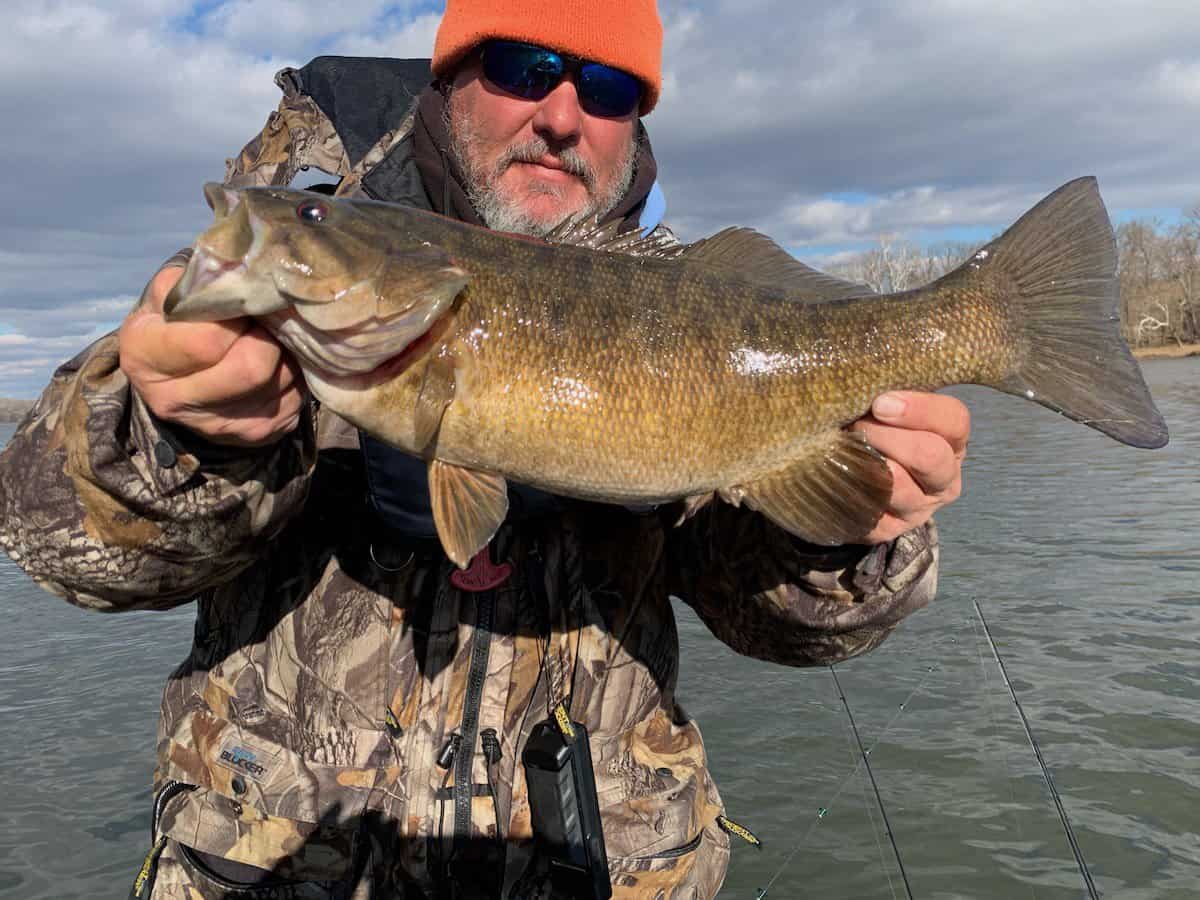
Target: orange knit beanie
[(626, 34)]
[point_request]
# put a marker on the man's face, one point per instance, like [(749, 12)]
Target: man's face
[(530, 164)]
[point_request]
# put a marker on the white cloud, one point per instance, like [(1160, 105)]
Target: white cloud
[(294, 24), (923, 208), (1180, 80), (929, 114), (881, 97), (409, 40)]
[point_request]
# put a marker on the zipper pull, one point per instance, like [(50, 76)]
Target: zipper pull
[(445, 757), (729, 826), (148, 872), (563, 720), (393, 725)]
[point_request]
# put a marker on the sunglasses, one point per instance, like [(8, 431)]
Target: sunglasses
[(532, 72)]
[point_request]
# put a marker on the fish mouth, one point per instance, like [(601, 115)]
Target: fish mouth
[(210, 267), (216, 284), (221, 200), (200, 295)]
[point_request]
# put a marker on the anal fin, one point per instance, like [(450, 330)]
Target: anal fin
[(468, 508), (834, 495)]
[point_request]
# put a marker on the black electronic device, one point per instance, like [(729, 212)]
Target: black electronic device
[(564, 808)]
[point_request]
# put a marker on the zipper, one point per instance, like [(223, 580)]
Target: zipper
[(238, 887), (682, 850), (463, 781), (170, 788)]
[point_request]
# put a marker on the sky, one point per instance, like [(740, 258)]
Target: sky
[(823, 124)]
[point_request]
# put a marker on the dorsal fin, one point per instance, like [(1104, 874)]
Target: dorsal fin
[(755, 257), (588, 232), (743, 252)]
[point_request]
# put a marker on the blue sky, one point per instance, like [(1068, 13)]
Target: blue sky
[(825, 125)]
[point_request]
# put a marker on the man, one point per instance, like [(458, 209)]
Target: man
[(351, 719)]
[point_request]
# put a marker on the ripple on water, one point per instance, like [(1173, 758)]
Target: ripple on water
[(1081, 552)]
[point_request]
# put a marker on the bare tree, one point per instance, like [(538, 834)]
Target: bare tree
[(1158, 268), (900, 265)]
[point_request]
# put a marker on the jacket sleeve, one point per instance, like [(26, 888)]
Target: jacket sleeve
[(105, 506), (773, 597)]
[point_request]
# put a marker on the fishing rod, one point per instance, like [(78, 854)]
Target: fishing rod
[(1037, 750), (878, 797), (824, 810)]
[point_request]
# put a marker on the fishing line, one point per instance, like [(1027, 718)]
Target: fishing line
[(874, 785), (1037, 750), (1008, 776), (824, 810), (887, 871)]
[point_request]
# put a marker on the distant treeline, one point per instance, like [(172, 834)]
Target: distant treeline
[(13, 410), (1159, 267)]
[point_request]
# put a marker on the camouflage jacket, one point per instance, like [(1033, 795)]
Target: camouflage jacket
[(350, 724)]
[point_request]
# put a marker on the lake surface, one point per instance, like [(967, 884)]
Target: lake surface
[(1084, 556)]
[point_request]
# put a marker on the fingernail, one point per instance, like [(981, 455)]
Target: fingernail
[(888, 406)]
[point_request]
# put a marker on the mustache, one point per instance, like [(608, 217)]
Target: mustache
[(533, 150)]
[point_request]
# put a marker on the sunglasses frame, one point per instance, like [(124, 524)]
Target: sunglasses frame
[(570, 66)]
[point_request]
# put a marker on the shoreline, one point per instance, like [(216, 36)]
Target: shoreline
[(1167, 351)]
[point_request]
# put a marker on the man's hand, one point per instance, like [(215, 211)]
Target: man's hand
[(924, 437), (230, 382)]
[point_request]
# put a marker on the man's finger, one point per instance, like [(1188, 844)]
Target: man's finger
[(257, 421), (908, 496), (155, 294), (253, 364), (927, 456), (175, 349), (251, 422), (247, 418), (920, 411), (171, 349)]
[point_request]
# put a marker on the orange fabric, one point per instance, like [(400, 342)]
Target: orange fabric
[(626, 34)]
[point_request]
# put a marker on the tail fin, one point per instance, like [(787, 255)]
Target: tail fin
[(1063, 259)]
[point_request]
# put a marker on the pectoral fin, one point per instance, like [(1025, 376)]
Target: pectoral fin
[(437, 391), (468, 508), (834, 495)]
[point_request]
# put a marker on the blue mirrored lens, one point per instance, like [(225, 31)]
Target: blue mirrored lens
[(606, 91), (522, 69), (532, 72)]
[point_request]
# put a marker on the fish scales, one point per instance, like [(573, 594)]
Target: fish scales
[(729, 370), (652, 379)]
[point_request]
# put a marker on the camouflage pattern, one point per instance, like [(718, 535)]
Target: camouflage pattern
[(297, 136), (332, 658)]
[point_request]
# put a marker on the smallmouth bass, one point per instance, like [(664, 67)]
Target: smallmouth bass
[(624, 369)]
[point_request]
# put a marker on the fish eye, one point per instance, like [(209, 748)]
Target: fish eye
[(312, 211)]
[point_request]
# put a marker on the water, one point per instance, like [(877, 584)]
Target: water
[(1084, 557)]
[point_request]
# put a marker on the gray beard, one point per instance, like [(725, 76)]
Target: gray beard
[(503, 212)]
